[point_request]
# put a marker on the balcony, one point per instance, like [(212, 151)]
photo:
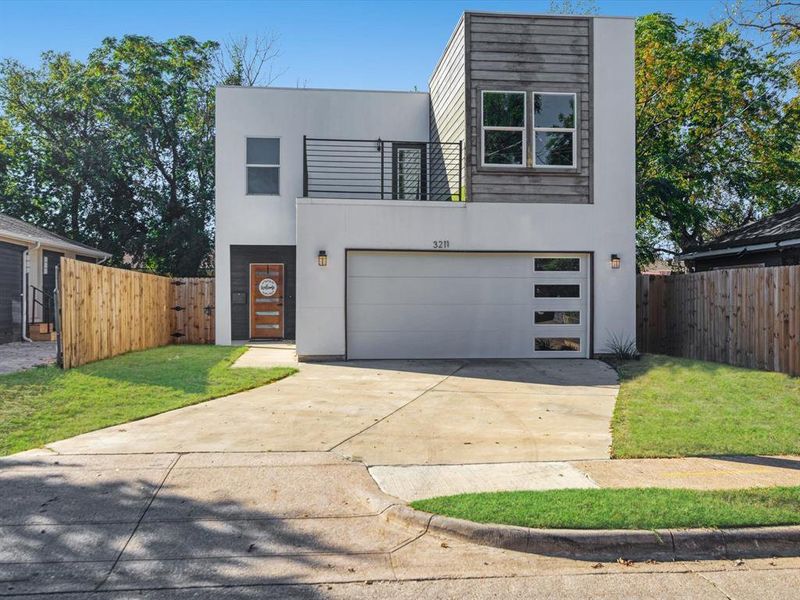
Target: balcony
[(382, 170)]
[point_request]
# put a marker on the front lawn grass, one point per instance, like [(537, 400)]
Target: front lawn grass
[(636, 508), (46, 404), (681, 407)]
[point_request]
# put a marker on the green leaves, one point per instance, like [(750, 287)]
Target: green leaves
[(160, 98), (116, 151), (716, 137)]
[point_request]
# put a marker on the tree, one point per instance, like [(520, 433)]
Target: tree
[(159, 99), (61, 159), (716, 137), (573, 7), (118, 151), (247, 61), (777, 19)]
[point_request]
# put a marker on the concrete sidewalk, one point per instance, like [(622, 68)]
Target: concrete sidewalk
[(284, 525), (699, 473), (186, 504), (416, 482)]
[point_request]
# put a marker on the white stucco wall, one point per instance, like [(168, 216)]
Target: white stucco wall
[(605, 227), (615, 171), (337, 225), (289, 113)]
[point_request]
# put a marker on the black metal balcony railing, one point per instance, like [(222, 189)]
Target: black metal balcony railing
[(382, 169)]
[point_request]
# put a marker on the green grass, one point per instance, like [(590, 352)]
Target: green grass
[(681, 407), (638, 508), (47, 404)]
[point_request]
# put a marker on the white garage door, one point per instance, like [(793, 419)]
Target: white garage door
[(467, 305)]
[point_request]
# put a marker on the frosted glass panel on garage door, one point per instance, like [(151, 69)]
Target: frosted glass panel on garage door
[(440, 305), (561, 306)]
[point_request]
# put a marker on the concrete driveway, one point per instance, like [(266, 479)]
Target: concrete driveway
[(19, 356), (186, 505), (395, 413)]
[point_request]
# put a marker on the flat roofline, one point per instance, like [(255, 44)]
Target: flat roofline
[(297, 89), (544, 15)]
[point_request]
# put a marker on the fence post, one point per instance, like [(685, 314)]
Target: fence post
[(57, 318)]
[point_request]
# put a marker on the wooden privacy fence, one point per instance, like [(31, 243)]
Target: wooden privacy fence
[(105, 311), (744, 317)]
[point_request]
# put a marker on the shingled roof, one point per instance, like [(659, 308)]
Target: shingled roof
[(25, 231), (783, 225)]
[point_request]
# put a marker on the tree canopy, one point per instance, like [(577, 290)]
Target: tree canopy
[(717, 132), (117, 151)]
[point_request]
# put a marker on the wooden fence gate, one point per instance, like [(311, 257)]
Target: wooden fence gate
[(744, 317), (104, 312), (192, 310)]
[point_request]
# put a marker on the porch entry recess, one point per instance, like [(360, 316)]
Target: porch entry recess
[(267, 291), (419, 304)]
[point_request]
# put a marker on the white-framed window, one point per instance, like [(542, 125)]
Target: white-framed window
[(503, 128), (554, 128), (263, 166)]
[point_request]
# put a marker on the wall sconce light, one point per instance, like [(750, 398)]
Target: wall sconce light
[(615, 262), (322, 258)]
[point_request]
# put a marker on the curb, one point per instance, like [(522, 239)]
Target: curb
[(600, 544)]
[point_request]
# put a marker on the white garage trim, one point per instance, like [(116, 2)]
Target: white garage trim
[(405, 304)]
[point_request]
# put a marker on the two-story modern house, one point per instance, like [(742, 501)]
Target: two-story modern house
[(492, 217)]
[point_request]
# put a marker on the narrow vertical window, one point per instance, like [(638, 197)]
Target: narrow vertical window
[(503, 128), (554, 130), (263, 166)]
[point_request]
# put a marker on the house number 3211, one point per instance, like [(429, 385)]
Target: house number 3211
[(441, 244)]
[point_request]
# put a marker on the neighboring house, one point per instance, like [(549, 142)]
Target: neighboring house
[(658, 267), (773, 241), (492, 217), (29, 256)]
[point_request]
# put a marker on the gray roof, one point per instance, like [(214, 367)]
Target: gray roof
[(783, 225), (22, 230)]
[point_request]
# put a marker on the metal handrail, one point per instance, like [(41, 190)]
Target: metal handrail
[(382, 169), (47, 303)]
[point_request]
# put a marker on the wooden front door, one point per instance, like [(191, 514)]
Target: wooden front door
[(266, 301)]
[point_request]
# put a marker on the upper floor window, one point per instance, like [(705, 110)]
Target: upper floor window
[(263, 166), (504, 128), (554, 130)]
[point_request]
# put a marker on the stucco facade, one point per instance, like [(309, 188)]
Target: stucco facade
[(596, 225)]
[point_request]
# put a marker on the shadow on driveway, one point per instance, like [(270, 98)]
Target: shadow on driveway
[(562, 372), (79, 524)]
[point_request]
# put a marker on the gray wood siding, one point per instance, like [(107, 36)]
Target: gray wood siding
[(10, 292), (448, 104), (529, 53)]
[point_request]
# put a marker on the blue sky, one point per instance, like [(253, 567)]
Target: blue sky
[(348, 44)]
